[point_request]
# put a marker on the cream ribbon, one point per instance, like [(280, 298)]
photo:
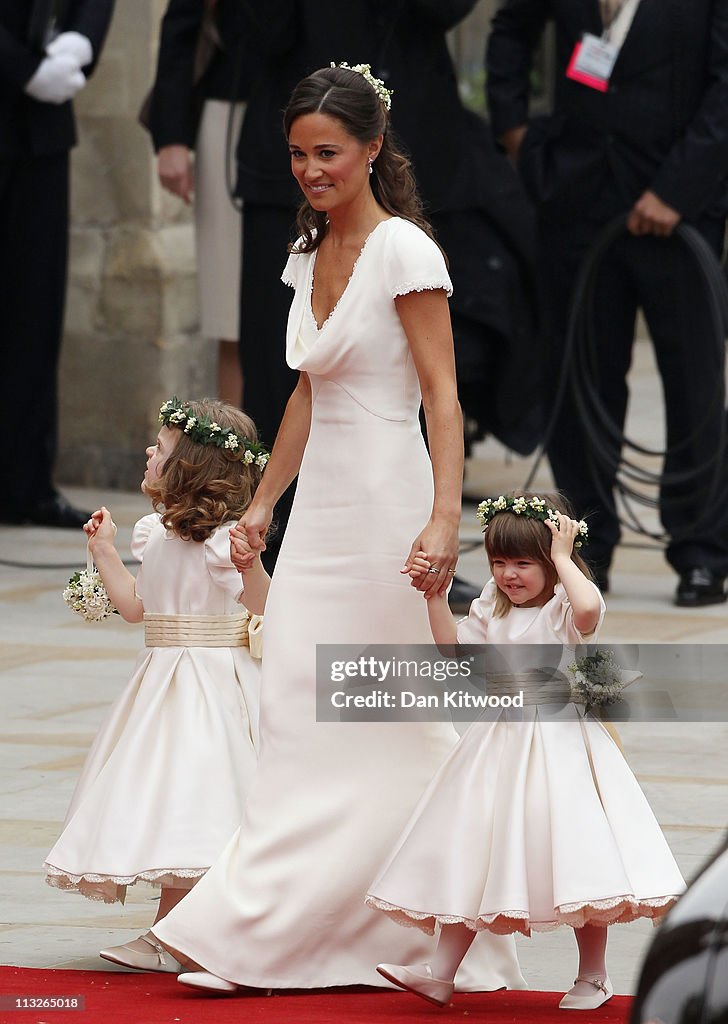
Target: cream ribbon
[(240, 630)]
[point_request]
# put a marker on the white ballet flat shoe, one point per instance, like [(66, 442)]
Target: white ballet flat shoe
[(156, 959), (420, 982), (207, 981), (603, 990)]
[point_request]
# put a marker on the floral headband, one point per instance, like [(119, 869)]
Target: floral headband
[(203, 430), (529, 508), (365, 70)]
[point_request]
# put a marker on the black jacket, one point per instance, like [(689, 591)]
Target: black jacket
[(176, 99), (662, 124), (404, 41), (27, 127)]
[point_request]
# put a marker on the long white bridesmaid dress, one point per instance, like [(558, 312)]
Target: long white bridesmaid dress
[(284, 905)]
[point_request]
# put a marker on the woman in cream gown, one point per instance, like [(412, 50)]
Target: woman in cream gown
[(284, 905)]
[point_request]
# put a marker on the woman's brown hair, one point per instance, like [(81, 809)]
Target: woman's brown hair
[(346, 96), (516, 536), (203, 486)]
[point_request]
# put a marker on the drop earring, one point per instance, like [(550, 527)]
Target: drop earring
[(371, 166)]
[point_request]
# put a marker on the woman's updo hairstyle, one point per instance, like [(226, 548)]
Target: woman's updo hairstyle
[(348, 97)]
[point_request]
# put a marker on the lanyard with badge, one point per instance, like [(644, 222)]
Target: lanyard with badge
[(594, 57)]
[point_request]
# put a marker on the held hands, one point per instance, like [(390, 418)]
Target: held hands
[(650, 216), (59, 76), (241, 554), (432, 559), (175, 170), (100, 529)]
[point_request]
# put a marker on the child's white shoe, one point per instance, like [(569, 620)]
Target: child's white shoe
[(603, 990), (419, 981), (143, 954)]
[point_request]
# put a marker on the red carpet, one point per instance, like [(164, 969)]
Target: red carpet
[(117, 998)]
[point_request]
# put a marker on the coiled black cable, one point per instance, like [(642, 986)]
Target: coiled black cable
[(605, 441)]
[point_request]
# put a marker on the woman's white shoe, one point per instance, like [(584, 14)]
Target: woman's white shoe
[(207, 981), (418, 980), (603, 990)]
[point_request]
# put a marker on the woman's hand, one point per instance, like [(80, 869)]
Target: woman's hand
[(438, 545), (251, 528), (241, 554)]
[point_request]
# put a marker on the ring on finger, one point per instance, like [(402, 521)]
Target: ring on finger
[(433, 569)]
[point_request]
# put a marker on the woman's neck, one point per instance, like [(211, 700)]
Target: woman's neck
[(355, 221)]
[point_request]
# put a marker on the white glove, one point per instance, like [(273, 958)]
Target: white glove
[(57, 79), (72, 44)]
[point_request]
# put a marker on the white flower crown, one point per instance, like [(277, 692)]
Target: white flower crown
[(529, 508), (365, 70)]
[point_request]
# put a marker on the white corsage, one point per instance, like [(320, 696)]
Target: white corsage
[(597, 679), (86, 594)]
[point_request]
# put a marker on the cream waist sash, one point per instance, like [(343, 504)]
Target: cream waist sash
[(202, 630), (535, 686)]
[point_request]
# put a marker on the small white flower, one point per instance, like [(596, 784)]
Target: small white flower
[(262, 460), (248, 457), (232, 443)]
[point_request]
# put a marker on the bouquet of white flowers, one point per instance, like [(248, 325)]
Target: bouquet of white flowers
[(86, 594), (598, 679)]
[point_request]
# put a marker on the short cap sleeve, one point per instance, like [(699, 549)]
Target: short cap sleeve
[(560, 616), (413, 262), (141, 532), (221, 569), (292, 269), (474, 628)]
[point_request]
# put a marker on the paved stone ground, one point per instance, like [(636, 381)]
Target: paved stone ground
[(59, 675)]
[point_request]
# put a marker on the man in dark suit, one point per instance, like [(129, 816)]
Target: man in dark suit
[(47, 50), (470, 194), (648, 140)]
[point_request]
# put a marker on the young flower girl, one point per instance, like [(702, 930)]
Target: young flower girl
[(164, 783), (535, 820)]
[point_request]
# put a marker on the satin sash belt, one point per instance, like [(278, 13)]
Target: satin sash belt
[(537, 687), (196, 630)]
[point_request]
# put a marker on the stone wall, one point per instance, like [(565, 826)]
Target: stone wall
[(131, 322)]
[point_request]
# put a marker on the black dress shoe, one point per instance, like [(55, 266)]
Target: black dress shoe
[(698, 587), (55, 511), (462, 594)]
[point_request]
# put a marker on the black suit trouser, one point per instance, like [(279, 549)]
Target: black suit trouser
[(264, 305), (33, 265), (659, 276)]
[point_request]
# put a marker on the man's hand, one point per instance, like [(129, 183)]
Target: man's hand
[(511, 141), (650, 216), (72, 44), (174, 167), (57, 79)]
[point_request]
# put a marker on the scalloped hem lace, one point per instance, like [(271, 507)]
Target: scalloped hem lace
[(105, 888), (616, 910)]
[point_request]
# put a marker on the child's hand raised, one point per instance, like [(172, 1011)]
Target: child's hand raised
[(100, 528), (563, 536)]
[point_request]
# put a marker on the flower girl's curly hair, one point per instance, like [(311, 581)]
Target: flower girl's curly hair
[(347, 97), (512, 536), (203, 486)]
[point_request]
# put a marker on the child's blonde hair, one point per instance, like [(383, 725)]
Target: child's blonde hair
[(203, 486), (517, 536)]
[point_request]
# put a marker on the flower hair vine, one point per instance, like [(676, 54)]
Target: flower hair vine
[(529, 508), (203, 430), (365, 70)]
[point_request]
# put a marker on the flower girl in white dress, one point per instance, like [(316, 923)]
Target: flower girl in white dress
[(163, 786), (535, 820)]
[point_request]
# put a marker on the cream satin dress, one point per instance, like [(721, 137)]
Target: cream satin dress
[(284, 906), (165, 781), (535, 820)]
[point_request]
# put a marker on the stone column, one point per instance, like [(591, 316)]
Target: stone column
[(131, 323)]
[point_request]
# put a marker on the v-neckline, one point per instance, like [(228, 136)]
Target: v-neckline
[(348, 283)]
